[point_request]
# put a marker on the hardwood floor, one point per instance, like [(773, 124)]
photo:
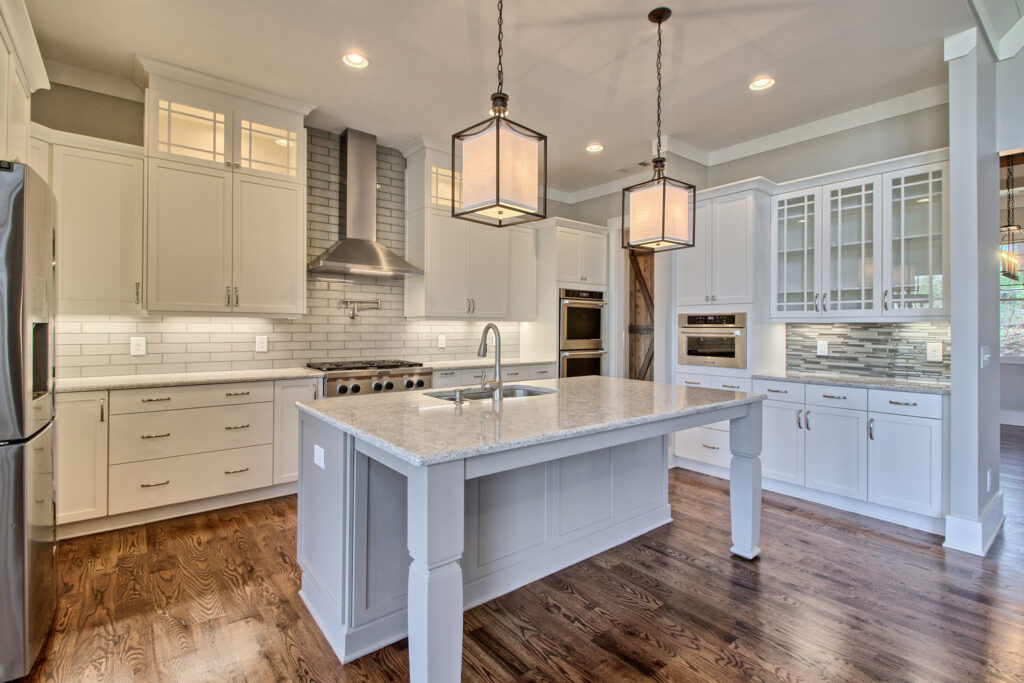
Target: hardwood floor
[(834, 597)]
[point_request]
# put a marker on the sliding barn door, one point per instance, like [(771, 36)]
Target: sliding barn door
[(641, 315)]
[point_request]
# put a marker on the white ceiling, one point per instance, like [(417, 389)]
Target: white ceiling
[(577, 70)]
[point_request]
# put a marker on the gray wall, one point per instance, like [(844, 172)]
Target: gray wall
[(88, 113)]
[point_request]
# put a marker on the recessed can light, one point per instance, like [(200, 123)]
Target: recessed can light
[(762, 83), (355, 60), (595, 147)]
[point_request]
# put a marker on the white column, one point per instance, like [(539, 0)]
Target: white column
[(975, 505), (745, 482), (436, 519)]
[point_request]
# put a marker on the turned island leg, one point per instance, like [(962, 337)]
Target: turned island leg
[(745, 482), (436, 520)]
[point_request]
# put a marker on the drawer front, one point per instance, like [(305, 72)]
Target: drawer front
[(688, 380), (198, 396), (732, 384), (791, 392), (443, 379), (905, 403), (705, 445), (471, 376), (514, 373), (544, 371), (853, 398), (141, 485), (166, 434)]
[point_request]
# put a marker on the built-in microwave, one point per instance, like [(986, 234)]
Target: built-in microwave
[(581, 323), (714, 340)]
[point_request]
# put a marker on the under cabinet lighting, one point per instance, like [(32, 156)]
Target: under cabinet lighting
[(355, 60), (762, 83)]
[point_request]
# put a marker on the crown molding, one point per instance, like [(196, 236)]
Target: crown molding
[(23, 44), (1012, 41), (93, 81), (960, 44)]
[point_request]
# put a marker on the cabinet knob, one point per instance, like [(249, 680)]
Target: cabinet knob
[(227, 164), (714, 298), (237, 164), (707, 298)]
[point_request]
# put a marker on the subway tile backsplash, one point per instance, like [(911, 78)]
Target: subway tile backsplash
[(98, 345), (894, 350)]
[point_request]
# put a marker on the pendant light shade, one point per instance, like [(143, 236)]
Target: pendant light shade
[(502, 165), (659, 214), (1011, 237)]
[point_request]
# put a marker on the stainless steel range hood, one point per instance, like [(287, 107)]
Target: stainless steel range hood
[(358, 253)]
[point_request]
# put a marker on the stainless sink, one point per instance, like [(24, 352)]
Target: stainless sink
[(478, 394)]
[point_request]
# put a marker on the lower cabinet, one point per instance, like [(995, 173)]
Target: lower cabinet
[(782, 449), (705, 444), (286, 424), (81, 456), (905, 462), (836, 451)]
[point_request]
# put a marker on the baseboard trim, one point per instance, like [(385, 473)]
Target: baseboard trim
[(976, 536), (1012, 417)]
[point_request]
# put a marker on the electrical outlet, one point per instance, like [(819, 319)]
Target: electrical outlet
[(986, 357), (261, 343), (988, 480), (318, 457), (934, 352), (441, 341), (823, 348), (138, 347)]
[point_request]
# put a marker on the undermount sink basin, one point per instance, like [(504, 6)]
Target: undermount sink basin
[(477, 394)]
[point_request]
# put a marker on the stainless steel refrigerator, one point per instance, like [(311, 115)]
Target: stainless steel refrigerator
[(27, 545)]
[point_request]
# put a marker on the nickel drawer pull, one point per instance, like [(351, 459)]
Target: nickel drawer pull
[(807, 420), (512, 374), (239, 471), (156, 436), (778, 391), (834, 397), (245, 426), (159, 483), (156, 400), (912, 404), (871, 429), (799, 425), (237, 393), (691, 383), (711, 448), (730, 386)]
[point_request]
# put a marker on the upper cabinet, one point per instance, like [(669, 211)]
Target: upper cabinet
[(867, 248), (719, 268), (21, 73), (582, 257)]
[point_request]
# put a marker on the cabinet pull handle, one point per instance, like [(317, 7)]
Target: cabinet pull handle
[(691, 383), (467, 304), (227, 292), (707, 298), (156, 436), (155, 400), (238, 471), (834, 397), (236, 296), (543, 372), (711, 448), (512, 374), (871, 429), (237, 393), (778, 391), (474, 305), (138, 292), (799, 425), (237, 164), (885, 300), (316, 392), (159, 483), (730, 386), (714, 298), (807, 420), (227, 164), (230, 427), (815, 302), (103, 402), (912, 404)]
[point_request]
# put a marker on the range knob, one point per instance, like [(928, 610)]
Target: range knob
[(409, 384), (377, 386), (389, 385), (419, 383), (342, 389), (355, 388)]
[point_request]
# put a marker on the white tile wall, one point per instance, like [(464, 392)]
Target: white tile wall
[(91, 345)]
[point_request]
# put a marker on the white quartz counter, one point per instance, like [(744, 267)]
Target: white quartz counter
[(921, 386), (424, 430), (70, 384)]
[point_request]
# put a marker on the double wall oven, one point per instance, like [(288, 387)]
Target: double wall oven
[(717, 340), (581, 332)]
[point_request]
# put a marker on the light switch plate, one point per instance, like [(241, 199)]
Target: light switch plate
[(441, 341), (138, 347), (986, 356), (823, 348), (318, 457), (261, 343), (934, 353)]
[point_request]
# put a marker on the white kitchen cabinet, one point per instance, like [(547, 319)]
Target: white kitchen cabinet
[(189, 238), (286, 424), (7, 61), (81, 456), (18, 104), (692, 266), (782, 453), (850, 241), (488, 271), (100, 224), (835, 448), (582, 257), (704, 444), (905, 463), (445, 379), (39, 158), (796, 265), (523, 274), (719, 268)]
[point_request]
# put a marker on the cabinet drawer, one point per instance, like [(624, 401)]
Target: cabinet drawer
[(791, 392), (689, 380), (904, 403), (852, 398), (731, 384), (704, 445), (197, 396), (544, 371), (515, 373), (196, 430), (442, 379), (140, 485), (471, 376)]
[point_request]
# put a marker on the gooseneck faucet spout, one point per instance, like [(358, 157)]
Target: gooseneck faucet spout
[(495, 384)]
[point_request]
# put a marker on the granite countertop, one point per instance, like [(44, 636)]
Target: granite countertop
[(917, 385), (424, 430), (482, 363), (65, 385)]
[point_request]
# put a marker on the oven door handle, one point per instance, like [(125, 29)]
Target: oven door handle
[(577, 354), (584, 303), (704, 333)]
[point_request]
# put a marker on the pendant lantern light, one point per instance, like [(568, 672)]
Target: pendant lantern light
[(1011, 238), (659, 214), (503, 165)]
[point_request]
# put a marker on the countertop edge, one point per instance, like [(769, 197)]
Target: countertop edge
[(854, 382), (69, 385)]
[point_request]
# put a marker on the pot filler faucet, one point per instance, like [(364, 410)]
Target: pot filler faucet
[(495, 384)]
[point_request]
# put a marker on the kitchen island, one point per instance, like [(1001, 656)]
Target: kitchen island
[(413, 508)]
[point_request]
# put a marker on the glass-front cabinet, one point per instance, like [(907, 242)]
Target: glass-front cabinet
[(796, 268), (850, 237)]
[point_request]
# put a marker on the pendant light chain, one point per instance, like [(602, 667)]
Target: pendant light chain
[(659, 88), (1009, 194), (501, 52)]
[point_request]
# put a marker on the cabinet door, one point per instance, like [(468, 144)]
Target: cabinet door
[(522, 274), (693, 276), (17, 116), (447, 261), (39, 158), (189, 245), (850, 237), (795, 261), (782, 454), (100, 222), (81, 456), (286, 424), (5, 69), (268, 142), (732, 250), (488, 271), (836, 458), (594, 258), (194, 127), (568, 264), (268, 246), (905, 463), (916, 257)]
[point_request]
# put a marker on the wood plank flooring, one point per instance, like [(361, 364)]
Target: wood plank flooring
[(834, 597)]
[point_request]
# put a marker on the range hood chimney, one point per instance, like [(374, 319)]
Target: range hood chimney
[(358, 253)]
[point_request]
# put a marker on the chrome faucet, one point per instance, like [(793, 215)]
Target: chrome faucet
[(495, 384)]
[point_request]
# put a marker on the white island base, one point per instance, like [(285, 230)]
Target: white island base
[(389, 548)]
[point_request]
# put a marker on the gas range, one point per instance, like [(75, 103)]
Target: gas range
[(353, 377)]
